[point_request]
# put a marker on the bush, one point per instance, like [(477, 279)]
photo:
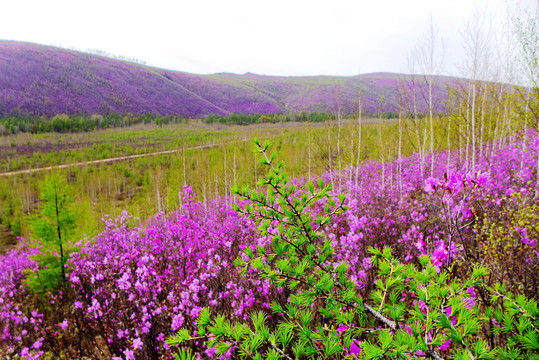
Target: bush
[(415, 310)]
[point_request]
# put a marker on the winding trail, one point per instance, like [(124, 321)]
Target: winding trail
[(108, 160)]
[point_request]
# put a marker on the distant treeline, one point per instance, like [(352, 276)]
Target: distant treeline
[(245, 119), (80, 123), (301, 116)]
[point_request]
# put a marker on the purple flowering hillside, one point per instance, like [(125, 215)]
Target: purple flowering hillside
[(133, 285), (38, 80)]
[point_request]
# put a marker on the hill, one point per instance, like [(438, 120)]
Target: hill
[(38, 80)]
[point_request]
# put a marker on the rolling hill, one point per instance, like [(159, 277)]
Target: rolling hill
[(38, 80)]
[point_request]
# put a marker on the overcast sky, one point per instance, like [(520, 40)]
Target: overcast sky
[(277, 37)]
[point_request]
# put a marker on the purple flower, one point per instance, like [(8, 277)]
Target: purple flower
[(342, 328), (137, 344), (422, 306), (355, 348), (123, 282), (129, 355), (177, 322), (431, 184), (469, 303), (211, 352), (445, 345), (37, 345), (482, 179), (471, 291)]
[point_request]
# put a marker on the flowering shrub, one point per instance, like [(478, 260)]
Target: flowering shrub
[(135, 284), (414, 312), (20, 324)]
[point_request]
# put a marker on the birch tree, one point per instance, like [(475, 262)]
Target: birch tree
[(359, 128), (410, 91), (430, 58), (475, 41), (526, 28)]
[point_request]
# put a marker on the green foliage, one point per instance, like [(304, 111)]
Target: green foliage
[(501, 238), (245, 119), (415, 310), (62, 123), (53, 226)]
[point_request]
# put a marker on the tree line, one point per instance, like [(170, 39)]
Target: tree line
[(63, 123)]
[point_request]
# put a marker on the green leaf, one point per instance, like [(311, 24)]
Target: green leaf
[(223, 347), (371, 351), (386, 339), (285, 333), (181, 336)]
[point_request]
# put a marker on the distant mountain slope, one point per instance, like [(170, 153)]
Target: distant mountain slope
[(39, 80)]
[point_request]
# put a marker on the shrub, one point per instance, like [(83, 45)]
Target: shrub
[(415, 311)]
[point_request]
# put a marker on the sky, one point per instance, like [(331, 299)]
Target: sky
[(278, 37)]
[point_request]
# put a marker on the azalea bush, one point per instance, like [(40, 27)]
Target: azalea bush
[(137, 283), (415, 311)]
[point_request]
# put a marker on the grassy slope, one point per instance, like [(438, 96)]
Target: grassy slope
[(40, 80)]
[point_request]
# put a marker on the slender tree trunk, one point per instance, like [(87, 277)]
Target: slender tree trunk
[(381, 151), (204, 196), (448, 144), (482, 120), (431, 126), (467, 130), (309, 153), (359, 128), (473, 125), (216, 185), (537, 168), (158, 198), (329, 153), (380, 128), (425, 146), (184, 171), (352, 153), (339, 165), (234, 168), (418, 128), (497, 120), (226, 177), (524, 137), (399, 160), (58, 230)]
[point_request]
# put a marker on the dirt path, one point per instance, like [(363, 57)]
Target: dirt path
[(100, 161)]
